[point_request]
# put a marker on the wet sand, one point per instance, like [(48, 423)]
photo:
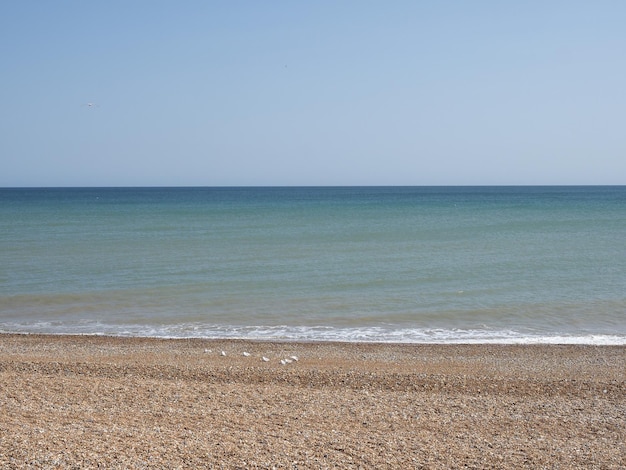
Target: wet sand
[(101, 402)]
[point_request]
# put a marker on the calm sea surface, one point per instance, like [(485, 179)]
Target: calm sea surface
[(405, 264)]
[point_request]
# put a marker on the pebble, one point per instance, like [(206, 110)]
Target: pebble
[(386, 406)]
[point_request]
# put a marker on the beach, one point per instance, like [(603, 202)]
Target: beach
[(114, 402)]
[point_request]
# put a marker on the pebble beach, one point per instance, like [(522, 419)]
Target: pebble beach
[(113, 402)]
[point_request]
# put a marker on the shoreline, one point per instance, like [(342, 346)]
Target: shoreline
[(127, 402), (348, 335)]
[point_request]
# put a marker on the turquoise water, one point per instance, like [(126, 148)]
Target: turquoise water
[(411, 264)]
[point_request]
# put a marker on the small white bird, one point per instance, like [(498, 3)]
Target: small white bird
[(265, 359), (223, 353), (246, 354), (294, 358)]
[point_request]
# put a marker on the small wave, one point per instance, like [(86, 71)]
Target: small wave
[(373, 334)]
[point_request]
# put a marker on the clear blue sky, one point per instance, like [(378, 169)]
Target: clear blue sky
[(312, 93)]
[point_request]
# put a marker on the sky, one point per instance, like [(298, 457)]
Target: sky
[(291, 93)]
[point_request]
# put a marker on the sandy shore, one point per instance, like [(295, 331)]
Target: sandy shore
[(87, 402)]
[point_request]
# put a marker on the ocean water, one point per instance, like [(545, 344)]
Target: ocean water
[(389, 264)]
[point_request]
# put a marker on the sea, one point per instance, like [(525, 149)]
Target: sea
[(527, 264)]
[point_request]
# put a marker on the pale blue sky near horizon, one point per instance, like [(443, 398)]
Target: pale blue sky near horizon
[(206, 93)]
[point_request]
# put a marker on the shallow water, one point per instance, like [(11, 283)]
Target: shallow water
[(411, 264)]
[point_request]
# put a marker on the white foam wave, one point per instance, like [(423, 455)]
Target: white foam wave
[(318, 333)]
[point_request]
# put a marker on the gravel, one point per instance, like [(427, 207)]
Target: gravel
[(103, 402)]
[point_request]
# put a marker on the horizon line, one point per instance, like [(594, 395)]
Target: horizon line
[(316, 186)]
